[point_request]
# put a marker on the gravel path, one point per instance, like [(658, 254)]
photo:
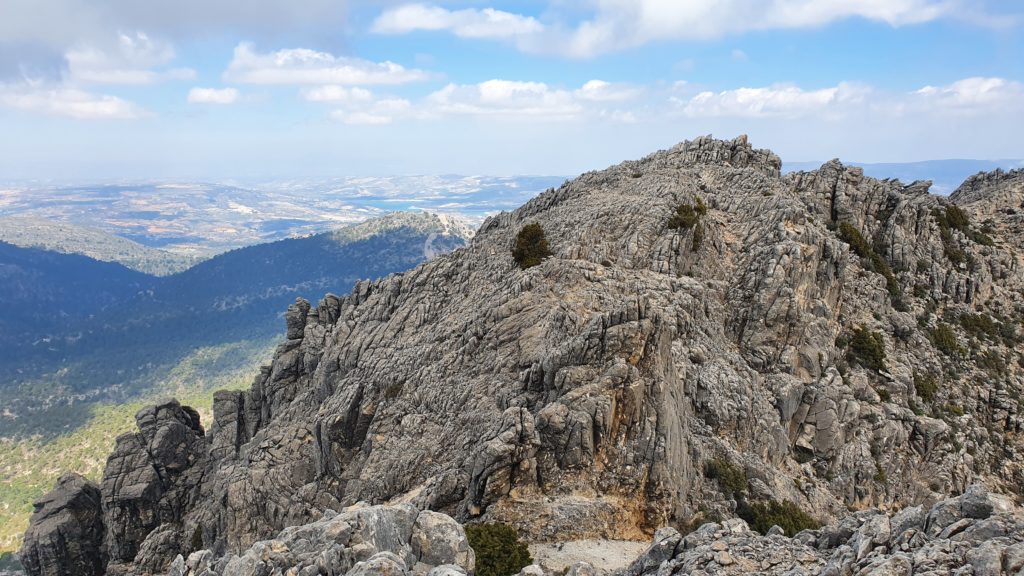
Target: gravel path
[(606, 554)]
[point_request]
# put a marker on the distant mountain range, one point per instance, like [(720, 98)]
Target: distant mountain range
[(202, 219), (946, 175), (61, 237), (88, 328)]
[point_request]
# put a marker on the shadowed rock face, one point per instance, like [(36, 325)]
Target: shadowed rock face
[(586, 396), (66, 535), (150, 479)]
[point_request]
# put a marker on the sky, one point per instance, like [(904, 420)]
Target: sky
[(219, 89)]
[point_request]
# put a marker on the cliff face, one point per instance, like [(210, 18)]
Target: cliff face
[(837, 341)]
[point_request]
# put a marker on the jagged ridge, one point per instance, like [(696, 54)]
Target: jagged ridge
[(584, 396)]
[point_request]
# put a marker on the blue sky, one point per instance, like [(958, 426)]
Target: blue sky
[(93, 89)]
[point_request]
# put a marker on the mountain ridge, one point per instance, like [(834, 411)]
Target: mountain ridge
[(838, 341), (29, 232)]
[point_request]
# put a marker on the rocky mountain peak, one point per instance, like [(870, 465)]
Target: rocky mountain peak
[(737, 153), (997, 187), (708, 340), (420, 222)]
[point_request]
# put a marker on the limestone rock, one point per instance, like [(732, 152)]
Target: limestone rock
[(360, 540), (880, 545), (437, 539), (974, 503), (66, 534)]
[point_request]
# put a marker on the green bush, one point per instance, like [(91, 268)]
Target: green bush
[(867, 349), (944, 339), (849, 234), (957, 219), (699, 207), (980, 326), (872, 260), (953, 218), (731, 479), (761, 516), (926, 386), (686, 217), (498, 549), (991, 362), (531, 246)]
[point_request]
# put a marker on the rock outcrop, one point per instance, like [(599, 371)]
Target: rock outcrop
[(66, 535), (149, 481), (819, 339), (956, 536), (370, 540)]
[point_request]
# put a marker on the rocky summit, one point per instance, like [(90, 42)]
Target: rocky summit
[(711, 348)]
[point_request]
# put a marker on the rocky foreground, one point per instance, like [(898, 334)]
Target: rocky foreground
[(710, 344), (963, 535), (975, 533)]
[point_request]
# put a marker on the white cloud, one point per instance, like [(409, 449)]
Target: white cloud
[(493, 98), (335, 93), (361, 118), (975, 94), (467, 23), (739, 55), (304, 66), (68, 102), (213, 96), (601, 91), (364, 109), (779, 100), (130, 61), (61, 24), (621, 24), (969, 96), (505, 98)]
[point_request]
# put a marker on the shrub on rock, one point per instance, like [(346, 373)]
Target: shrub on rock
[(498, 549), (687, 215), (732, 479), (867, 349), (761, 516), (531, 246)]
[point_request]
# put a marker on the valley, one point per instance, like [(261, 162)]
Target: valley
[(85, 343)]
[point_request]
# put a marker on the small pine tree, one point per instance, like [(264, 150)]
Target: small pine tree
[(867, 348), (926, 386), (761, 516), (685, 218), (944, 339), (498, 549), (531, 246)]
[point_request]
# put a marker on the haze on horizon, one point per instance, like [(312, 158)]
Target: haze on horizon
[(307, 88)]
